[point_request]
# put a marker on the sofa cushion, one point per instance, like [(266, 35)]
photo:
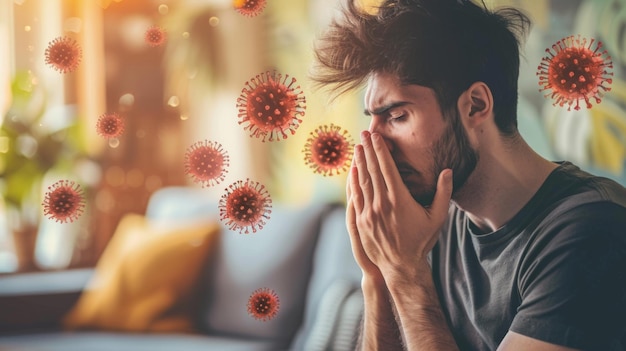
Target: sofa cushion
[(335, 281), (279, 258), (146, 279)]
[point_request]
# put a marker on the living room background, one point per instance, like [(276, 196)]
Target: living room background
[(186, 90)]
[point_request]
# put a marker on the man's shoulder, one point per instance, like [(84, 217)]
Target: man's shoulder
[(574, 187)]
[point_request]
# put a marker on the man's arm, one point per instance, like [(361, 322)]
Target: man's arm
[(380, 330), (424, 324)]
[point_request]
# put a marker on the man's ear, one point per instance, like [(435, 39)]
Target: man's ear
[(476, 104)]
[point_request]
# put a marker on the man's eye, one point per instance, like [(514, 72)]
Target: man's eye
[(396, 118)]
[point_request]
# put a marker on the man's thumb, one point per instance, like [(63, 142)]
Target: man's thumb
[(441, 202)]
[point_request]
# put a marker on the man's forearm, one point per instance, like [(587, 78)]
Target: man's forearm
[(424, 325), (380, 330)]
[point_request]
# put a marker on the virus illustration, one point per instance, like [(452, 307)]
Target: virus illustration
[(110, 125), (245, 205), (206, 163), (155, 36), (328, 149), (263, 304), (63, 54), (270, 106), (64, 201), (250, 8), (575, 70)]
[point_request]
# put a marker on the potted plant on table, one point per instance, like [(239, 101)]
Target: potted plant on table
[(34, 140)]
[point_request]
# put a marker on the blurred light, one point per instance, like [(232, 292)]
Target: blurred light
[(105, 200), (184, 117), (27, 28), (31, 48), (73, 24), (134, 178), (173, 101), (163, 9), (214, 21), (153, 183), (4, 144), (127, 99), (18, 2), (114, 142), (114, 176), (185, 35), (27, 145), (89, 172)]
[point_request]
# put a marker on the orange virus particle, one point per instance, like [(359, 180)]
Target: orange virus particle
[(63, 54), (155, 36), (249, 8), (64, 201), (575, 69), (245, 205), (270, 106), (206, 162), (328, 149), (110, 125), (263, 304)]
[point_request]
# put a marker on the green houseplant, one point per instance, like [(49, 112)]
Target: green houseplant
[(34, 139)]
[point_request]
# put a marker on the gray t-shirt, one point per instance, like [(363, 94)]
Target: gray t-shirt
[(555, 272)]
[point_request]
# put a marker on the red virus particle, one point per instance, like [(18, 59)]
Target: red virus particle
[(206, 162), (575, 70), (263, 304), (110, 125), (245, 205), (64, 201), (249, 8), (155, 36), (63, 54), (328, 149), (270, 106)]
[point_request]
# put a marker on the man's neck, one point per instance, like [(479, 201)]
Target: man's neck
[(504, 180)]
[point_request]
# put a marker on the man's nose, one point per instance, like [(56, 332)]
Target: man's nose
[(377, 127)]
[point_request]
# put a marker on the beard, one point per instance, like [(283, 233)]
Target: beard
[(452, 150)]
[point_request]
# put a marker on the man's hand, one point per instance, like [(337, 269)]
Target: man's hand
[(396, 232)]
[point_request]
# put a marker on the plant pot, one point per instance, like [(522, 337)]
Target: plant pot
[(24, 241)]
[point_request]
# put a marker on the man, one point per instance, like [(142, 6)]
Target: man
[(466, 237)]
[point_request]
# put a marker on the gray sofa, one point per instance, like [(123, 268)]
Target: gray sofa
[(303, 252)]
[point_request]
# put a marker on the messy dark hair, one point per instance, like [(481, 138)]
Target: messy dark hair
[(445, 45)]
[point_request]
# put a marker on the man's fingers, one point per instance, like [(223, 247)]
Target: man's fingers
[(355, 195), (364, 183), (441, 202), (373, 164), (388, 167)]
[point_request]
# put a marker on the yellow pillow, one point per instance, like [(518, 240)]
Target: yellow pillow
[(146, 278)]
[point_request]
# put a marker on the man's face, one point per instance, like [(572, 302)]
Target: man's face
[(421, 143)]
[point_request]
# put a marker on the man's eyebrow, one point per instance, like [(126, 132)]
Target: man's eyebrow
[(384, 108)]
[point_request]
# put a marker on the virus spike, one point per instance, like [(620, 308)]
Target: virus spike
[(328, 149), (63, 54), (250, 8), (110, 125), (270, 106), (206, 162), (263, 304), (575, 70), (155, 36), (245, 205), (64, 201)]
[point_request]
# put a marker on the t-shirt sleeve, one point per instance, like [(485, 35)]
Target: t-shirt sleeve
[(572, 281)]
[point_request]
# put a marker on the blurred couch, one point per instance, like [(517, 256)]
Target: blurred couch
[(302, 254)]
